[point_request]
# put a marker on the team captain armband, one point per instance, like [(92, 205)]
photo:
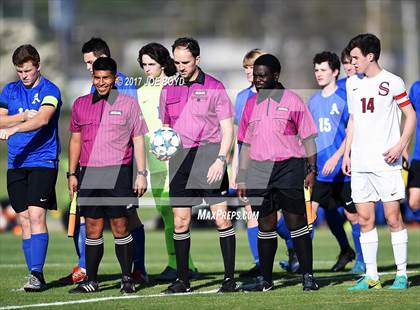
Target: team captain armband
[(402, 99), (50, 100)]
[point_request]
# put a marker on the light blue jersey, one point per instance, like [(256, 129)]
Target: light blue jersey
[(37, 148), (331, 116), (240, 102)]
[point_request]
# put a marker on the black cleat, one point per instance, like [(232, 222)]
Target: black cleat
[(127, 285), (309, 283), (259, 286), (228, 286), (194, 274), (36, 283), (294, 265), (86, 287), (344, 258), (168, 275), (178, 287), (254, 272)]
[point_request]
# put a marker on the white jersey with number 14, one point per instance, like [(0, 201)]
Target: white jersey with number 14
[(375, 105)]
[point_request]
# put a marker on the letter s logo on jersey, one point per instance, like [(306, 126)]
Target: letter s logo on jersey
[(383, 89)]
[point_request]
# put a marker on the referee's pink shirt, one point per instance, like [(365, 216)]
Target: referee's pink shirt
[(195, 109), (275, 127), (107, 129)]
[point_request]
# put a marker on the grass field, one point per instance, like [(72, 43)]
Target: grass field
[(287, 293)]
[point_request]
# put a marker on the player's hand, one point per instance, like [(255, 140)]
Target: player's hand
[(394, 153), (310, 179), (72, 186), (30, 114), (345, 166), (330, 165), (6, 133), (216, 171), (140, 186), (241, 192)]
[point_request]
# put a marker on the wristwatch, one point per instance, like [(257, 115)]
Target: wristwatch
[(142, 172), (222, 158), (69, 174)]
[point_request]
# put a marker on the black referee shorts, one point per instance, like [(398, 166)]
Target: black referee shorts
[(188, 177), (32, 187), (332, 195), (272, 186), (414, 174), (106, 191)]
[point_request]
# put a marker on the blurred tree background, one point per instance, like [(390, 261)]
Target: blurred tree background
[(293, 30)]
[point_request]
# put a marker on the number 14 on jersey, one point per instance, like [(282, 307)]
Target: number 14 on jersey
[(370, 105)]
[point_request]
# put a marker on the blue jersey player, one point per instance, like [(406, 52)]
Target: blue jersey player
[(414, 170), (29, 112), (332, 188)]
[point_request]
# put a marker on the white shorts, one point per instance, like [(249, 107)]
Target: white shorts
[(373, 186)]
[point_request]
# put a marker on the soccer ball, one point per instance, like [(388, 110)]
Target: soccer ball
[(165, 142)]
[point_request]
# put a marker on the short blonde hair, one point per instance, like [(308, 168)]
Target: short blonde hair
[(250, 57)]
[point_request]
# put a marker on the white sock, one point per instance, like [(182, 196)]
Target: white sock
[(399, 240), (369, 243)]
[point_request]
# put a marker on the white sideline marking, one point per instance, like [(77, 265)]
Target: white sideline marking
[(89, 300)]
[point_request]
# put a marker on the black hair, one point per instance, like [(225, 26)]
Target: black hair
[(188, 43), (367, 43), (329, 57), (97, 46), (160, 54), (270, 61), (105, 64)]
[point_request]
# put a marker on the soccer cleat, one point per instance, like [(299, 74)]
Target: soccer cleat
[(168, 275), (178, 287), (359, 267), (86, 287), (36, 283), (365, 284), (309, 283), (127, 285), (194, 274), (344, 258), (228, 286), (254, 272), (400, 283), (78, 275), (259, 286), (139, 277)]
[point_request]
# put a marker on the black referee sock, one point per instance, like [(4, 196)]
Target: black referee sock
[(267, 247), (94, 252), (228, 246), (124, 252), (182, 242), (302, 243)]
